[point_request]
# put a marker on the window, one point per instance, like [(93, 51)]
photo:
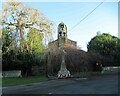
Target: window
[(60, 33), (64, 33)]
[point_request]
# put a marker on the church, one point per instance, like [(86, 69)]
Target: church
[(75, 59), (61, 42)]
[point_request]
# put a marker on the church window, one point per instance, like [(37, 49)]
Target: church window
[(64, 33), (60, 33)]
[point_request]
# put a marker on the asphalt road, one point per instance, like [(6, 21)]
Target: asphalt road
[(95, 85)]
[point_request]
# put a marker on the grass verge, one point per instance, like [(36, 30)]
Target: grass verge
[(22, 80)]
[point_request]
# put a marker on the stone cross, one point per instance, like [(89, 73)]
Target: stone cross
[(62, 36)]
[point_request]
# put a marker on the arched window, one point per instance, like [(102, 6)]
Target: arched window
[(60, 33), (64, 33)]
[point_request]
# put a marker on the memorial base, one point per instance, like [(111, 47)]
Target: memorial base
[(64, 73)]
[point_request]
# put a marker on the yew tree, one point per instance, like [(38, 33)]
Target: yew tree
[(107, 46)]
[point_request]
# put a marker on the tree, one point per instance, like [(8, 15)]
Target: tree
[(20, 17), (35, 40), (24, 29), (107, 45)]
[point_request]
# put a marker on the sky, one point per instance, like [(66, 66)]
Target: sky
[(104, 19)]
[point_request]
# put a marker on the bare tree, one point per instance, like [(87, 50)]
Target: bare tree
[(19, 17)]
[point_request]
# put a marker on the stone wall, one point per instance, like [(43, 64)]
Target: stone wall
[(16, 73)]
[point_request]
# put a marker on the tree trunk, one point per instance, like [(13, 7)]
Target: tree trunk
[(21, 38)]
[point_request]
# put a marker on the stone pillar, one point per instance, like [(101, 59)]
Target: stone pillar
[(63, 72)]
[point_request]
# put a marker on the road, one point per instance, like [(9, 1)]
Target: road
[(95, 85)]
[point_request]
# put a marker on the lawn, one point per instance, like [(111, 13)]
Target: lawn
[(22, 80)]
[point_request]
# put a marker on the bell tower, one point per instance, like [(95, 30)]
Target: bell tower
[(62, 34)]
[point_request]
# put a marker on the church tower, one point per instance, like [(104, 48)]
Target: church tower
[(62, 34)]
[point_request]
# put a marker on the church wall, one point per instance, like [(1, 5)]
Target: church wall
[(72, 42)]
